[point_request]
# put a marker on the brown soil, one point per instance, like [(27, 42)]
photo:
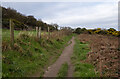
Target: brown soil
[(65, 57)]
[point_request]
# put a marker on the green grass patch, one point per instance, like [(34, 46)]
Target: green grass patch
[(81, 69), (30, 55), (6, 33), (63, 71)]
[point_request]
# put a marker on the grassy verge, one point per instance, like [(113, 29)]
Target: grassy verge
[(81, 68), (29, 55), (6, 33), (63, 71)]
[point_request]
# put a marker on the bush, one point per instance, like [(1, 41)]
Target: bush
[(24, 36), (116, 33), (111, 29), (100, 32), (90, 31), (79, 30)]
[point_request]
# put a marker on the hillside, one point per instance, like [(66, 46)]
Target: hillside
[(33, 48), (23, 22)]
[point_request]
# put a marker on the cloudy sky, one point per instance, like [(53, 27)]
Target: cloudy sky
[(73, 14)]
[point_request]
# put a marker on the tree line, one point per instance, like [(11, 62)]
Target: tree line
[(22, 22)]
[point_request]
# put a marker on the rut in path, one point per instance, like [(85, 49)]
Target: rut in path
[(65, 57)]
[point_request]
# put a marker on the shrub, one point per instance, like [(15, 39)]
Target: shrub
[(23, 36), (78, 31), (111, 29), (90, 31), (116, 33)]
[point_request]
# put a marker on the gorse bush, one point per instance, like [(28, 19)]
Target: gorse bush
[(110, 31), (113, 32)]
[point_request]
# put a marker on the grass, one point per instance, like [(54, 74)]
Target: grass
[(63, 71), (6, 33), (29, 55), (81, 68)]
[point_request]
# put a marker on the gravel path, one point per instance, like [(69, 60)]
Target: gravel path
[(65, 57)]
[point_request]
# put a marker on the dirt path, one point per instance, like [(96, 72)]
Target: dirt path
[(65, 57)]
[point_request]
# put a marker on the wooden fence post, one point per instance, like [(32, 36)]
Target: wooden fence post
[(48, 32), (36, 32), (39, 32), (11, 32)]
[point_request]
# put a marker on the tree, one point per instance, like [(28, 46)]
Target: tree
[(78, 31), (21, 21), (31, 21), (56, 26)]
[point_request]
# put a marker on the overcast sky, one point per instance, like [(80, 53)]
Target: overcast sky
[(73, 14)]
